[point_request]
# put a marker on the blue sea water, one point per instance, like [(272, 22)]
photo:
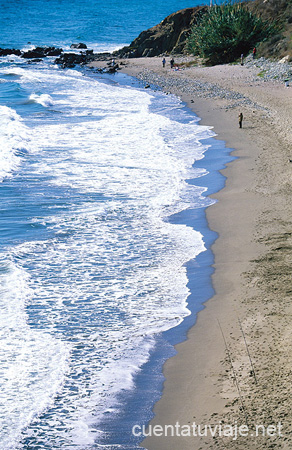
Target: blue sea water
[(104, 247), (103, 25)]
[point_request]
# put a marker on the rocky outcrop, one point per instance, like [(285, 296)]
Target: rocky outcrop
[(38, 52), (42, 52), (64, 59), (9, 51), (70, 60), (167, 37), (78, 46)]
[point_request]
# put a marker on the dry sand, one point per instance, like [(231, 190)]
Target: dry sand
[(211, 380)]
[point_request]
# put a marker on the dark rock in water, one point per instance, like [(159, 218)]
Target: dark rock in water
[(169, 36), (9, 51), (80, 45), (112, 69), (42, 52), (36, 53), (97, 69), (53, 51), (31, 61), (69, 60)]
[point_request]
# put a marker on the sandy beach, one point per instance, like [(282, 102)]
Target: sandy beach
[(235, 367)]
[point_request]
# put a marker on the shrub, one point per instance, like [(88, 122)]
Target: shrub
[(226, 31)]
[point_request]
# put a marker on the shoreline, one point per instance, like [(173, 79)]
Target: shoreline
[(251, 277)]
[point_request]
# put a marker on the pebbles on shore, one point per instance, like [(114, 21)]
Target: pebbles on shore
[(267, 70)]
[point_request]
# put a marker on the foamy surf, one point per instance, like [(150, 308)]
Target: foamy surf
[(43, 99), (15, 141), (103, 270), (33, 362)]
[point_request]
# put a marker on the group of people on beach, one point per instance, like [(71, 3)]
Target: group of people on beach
[(171, 63), (254, 52)]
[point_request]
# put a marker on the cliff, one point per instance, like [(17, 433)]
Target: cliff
[(169, 36)]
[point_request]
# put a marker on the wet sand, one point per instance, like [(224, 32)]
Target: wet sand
[(235, 367)]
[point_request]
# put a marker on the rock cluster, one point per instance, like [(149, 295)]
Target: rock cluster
[(38, 52), (271, 70), (80, 45), (42, 52), (64, 59), (9, 51), (69, 60)]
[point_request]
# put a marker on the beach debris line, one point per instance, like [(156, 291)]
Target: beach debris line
[(252, 372), (234, 374)]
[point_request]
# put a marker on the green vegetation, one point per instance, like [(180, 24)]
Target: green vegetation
[(226, 31)]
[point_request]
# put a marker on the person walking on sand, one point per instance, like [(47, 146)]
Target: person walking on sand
[(171, 63), (163, 62), (254, 52), (240, 119)]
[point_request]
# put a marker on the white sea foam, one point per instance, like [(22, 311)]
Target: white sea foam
[(111, 273), (28, 47), (15, 140), (96, 47), (42, 99), (33, 362)]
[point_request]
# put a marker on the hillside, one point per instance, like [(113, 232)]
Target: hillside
[(280, 11), (170, 36)]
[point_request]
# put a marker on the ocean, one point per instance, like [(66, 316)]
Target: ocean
[(104, 247)]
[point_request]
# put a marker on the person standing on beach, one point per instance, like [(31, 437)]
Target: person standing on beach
[(254, 52), (240, 119), (171, 63), (163, 62)]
